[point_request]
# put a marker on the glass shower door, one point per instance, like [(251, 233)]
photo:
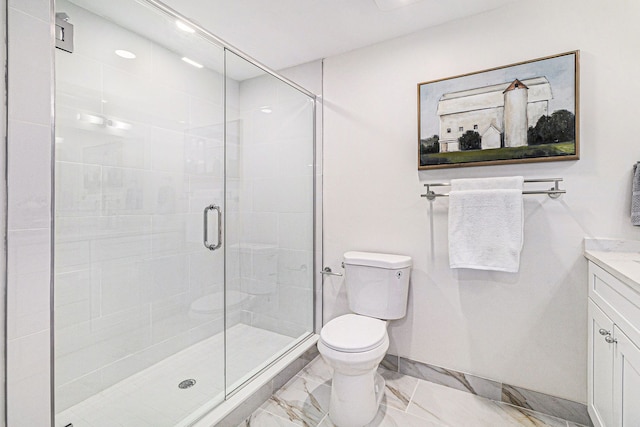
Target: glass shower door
[(269, 230), (138, 298)]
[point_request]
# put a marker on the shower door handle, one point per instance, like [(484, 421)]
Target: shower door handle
[(208, 245)]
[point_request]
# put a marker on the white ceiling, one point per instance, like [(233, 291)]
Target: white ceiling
[(284, 33), (281, 33)]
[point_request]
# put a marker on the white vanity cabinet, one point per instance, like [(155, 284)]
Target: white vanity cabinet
[(626, 381), (600, 368), (614, 350)]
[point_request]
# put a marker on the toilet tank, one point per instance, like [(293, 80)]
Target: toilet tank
[(377, 284)]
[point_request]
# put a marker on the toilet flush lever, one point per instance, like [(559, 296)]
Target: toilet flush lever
[(327, 270)]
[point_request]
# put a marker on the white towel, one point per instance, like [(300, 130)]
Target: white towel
[(498, 183), (486, 224)]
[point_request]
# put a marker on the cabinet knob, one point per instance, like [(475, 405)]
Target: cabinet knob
[(604, 332), (610, 340)]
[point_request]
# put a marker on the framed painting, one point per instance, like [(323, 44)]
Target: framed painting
[(524, 112)]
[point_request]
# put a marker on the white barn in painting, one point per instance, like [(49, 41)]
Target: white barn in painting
[(501, 113), (491, 138)]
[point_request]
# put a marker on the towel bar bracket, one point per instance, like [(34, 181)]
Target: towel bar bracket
[(327, 270), (430, 194)]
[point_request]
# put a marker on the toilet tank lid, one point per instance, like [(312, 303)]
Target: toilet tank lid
[(373, 259)]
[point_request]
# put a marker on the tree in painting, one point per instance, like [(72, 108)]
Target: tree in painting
[(558, 127), (430, 145), (470, 141)]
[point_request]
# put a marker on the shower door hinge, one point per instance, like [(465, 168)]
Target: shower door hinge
[(64, 32)]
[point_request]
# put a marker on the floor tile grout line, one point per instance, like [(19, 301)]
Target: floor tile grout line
[(415, 389), (406, 411), (323, 418)]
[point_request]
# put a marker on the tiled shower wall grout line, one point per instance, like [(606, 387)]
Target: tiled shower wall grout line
[(494, 390)]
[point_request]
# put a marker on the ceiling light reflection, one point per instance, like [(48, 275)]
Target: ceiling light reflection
[(191, 62), (90, 118), (184, 27), (125, 54)]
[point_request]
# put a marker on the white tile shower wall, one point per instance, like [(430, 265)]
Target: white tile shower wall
[(28, 235), (276, 204), (532, 322), (129, 254)]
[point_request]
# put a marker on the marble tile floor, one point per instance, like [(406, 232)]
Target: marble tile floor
[(151, 398), (408, 402)]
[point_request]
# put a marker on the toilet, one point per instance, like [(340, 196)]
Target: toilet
[(355, 344)]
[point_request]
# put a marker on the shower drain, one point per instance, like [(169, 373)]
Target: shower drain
[(187, 383)]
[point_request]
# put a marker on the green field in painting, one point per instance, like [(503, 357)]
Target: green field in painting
[(514, 153)]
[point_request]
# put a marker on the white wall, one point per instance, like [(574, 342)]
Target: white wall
[(3, 212), (526, 329), (29, 214)]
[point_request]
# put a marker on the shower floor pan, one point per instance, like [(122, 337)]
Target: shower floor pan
[(169, 391)]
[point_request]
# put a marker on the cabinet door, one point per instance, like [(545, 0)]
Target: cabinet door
[(626, 382), (600, 368)]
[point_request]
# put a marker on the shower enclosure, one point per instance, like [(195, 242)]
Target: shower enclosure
[(184, 217)]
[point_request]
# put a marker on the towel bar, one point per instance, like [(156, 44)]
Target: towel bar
[(554, 192)]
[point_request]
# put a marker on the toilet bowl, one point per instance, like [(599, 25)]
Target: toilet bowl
[(355, 344)]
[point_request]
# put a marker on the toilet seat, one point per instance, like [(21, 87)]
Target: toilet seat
[(353, 333)]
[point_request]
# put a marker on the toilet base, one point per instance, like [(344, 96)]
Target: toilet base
[(355, 399)]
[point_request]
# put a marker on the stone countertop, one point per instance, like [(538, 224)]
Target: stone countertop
[(620, 258)]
